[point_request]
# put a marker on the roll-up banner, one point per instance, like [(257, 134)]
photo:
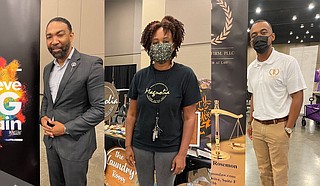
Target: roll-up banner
[(228, 66), (19, 92)]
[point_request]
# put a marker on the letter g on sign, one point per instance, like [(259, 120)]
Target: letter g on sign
[(16, 105)]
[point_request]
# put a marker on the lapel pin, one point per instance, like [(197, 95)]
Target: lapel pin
[(73, 64)]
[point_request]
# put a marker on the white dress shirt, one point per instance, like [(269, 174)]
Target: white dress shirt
[(57, 74)]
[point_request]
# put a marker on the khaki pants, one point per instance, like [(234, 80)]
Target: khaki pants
[(271, 146)]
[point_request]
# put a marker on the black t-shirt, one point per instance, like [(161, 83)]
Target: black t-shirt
[(167, 92)]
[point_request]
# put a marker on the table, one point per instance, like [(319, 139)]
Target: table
[(192, 163), (7, 179)]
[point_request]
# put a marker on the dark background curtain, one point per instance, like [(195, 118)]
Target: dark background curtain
[(120, 74)]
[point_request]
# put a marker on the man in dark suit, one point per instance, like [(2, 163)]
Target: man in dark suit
[(72, 105)]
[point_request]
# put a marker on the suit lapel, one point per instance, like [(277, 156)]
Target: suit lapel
[(71, 68), (47, 79)]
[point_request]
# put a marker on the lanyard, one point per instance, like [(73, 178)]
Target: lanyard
[(157, 130)]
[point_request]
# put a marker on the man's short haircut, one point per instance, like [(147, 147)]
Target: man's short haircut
[(61, 19), (262, 20)]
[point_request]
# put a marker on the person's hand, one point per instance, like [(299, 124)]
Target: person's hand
[(46, 129), (178, 164), (130, 156), (249, 132), (58, 128)]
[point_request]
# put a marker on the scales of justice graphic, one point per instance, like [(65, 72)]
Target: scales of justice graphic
[(217, 153)]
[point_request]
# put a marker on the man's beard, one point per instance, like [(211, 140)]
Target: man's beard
[(61, 54)]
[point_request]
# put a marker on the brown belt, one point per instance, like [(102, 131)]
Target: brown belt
[(272, 121)]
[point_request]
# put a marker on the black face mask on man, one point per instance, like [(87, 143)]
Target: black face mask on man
[(260, 44)]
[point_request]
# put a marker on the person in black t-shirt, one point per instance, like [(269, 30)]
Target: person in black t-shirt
[(163, 99)]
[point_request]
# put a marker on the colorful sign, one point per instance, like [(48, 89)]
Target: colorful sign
[(228, 66), (13, 99), (19, 92)]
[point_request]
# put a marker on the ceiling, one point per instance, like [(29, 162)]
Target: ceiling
[(280, 13)]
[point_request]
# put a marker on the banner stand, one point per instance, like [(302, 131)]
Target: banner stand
[(19, 92), (228, 67)]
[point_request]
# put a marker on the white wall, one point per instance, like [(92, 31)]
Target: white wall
[(307, 58), (123, 47), (122, 32), (196, 48)]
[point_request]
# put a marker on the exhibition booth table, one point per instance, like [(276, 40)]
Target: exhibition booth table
[(192, 163)]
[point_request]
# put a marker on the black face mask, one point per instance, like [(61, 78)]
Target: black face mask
[(260, 44)]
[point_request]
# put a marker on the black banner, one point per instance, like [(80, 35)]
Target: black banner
[(19, 92), (228, 64)]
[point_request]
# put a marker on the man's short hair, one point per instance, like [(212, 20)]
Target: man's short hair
[(61, 19), (262, 20)]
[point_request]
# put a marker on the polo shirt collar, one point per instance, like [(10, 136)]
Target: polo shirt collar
[(269, 61)]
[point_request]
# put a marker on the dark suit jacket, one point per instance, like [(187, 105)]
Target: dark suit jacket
[(79, 106)]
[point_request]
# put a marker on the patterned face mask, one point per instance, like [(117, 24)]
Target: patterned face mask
[(160, 52)]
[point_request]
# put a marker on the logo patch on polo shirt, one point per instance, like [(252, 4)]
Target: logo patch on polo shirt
[(274, 72)]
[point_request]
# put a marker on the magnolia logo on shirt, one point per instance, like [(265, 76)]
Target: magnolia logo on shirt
[(273, 72), (156, 93)]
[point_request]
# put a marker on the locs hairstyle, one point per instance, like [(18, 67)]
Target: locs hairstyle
[(61, 19), (168, 23)]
